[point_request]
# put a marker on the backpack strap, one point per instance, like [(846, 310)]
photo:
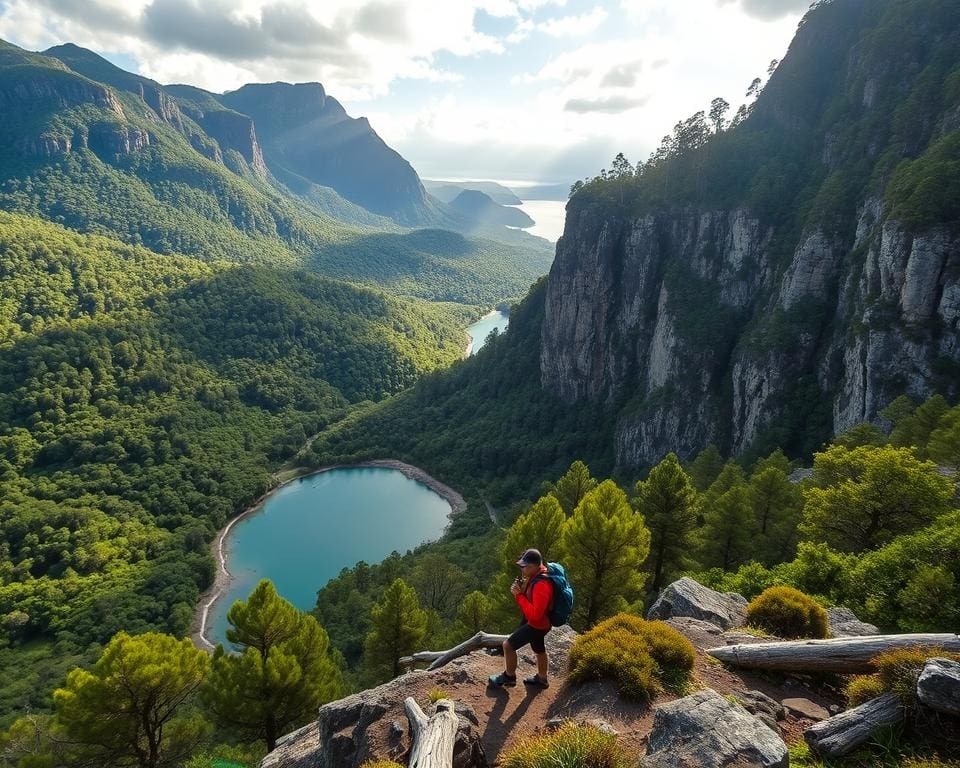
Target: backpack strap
[(553, 588)]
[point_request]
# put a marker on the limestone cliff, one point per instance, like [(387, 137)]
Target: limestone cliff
[(805, 275)]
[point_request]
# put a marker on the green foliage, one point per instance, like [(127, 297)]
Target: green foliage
[(436, 694), (667, 501), (706, 467), (861, 689), (641, 657), (125, 712), (898, 671), (570, 489), (281, 673), (570, 746), (788, 613), (926, 191), (398, 626), (727, 536), (604, 546), (864, 497)]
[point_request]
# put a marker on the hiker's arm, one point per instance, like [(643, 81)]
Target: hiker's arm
[(537, 609)]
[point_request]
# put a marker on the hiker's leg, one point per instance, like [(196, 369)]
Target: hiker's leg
[(509, 658), (542, 665)]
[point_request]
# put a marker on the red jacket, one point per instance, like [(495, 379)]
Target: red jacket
[(534, 601)]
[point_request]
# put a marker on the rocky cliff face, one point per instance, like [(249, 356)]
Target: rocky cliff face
[(721, 323)]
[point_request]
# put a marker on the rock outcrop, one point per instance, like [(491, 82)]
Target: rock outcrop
[(705, 730), (844, 623), (688, 598), (703, 321), (938, 686)]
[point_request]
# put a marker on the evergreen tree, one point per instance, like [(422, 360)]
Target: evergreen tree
[(706, 467), (540, 528), (125, 711), (913, 426), (727, 538), (473, 616), (572, 487), (440, 584), (777, 505), (398, 626), (944, 444), (604, 547), (281, 674), (667, 501), (866, 496)]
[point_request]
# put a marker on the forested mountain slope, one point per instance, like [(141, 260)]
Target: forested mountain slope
[(779, 281), (144, 399), (124, 157)]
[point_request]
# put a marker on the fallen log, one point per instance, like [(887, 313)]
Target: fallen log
[(432, 737), (846, 655), (843, 733), (438, 658)]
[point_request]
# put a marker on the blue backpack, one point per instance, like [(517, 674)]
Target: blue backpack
[(561, 604)]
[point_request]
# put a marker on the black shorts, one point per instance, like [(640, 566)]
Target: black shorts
[(526, 634)]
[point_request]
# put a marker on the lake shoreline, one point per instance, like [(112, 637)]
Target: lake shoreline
[(208, 599)]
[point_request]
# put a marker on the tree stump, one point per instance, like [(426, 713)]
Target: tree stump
[(432, 738)]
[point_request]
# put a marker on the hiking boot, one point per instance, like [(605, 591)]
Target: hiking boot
[(536, 681), (501, 680)]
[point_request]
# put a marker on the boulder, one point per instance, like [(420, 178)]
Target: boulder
[(844, 623), (938, 686), (762, 707), (706, 730), (686, 597)]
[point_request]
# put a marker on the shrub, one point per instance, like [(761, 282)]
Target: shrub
[(898, 670), (640, 656), (570, 746), (862, 688), (438, 693), (787, 612), (381, 764)]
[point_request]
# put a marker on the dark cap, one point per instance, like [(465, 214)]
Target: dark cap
[(530, 557)]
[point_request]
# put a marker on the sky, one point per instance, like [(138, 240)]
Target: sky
[(517, 90)]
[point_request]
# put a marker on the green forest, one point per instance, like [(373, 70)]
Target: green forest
[(145, 400)]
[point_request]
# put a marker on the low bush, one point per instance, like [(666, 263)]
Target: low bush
[(788, 612), (641, 657), (862, 688), (898, 670), (570, 746)]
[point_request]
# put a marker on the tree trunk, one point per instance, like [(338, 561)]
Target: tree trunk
[(439, 658), (846, 655), (433, 738), (843, 733)]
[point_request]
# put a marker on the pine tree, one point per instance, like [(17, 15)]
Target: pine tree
[(706, 467), (540, 528), (604, 546), (667, 501), (727, 537), (777, 505), (397, 628), (282, 672), (572, 487), (125, 711)]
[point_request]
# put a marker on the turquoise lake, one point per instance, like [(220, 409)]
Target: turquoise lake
[(481, 329), (311, 528)]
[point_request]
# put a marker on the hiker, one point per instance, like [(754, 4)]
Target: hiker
[(533, 592)]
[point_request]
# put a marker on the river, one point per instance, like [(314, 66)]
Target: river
[(481, 329), (311, 528)]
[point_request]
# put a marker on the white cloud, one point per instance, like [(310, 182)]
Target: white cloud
[(566, 26)]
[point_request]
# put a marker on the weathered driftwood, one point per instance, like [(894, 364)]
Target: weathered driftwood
[(843, 733), (438, 658), (432, 737), (841, 654)]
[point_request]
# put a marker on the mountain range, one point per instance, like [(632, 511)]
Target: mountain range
[(182, 170)]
